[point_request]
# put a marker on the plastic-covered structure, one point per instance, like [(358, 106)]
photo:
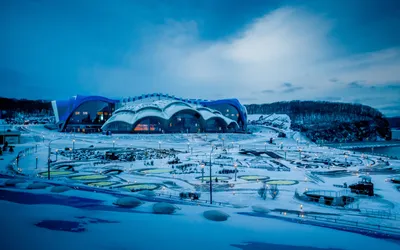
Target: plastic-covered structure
[(83, 113)]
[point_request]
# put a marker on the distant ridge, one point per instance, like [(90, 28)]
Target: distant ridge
[(330, 121)]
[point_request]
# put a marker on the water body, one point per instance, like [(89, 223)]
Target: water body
[(393, 151), (389, 151)]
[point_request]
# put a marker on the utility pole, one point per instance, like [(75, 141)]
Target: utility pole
[(235, 166), (48, 163), (212, 149)]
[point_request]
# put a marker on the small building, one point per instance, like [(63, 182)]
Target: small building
[(12, 137)]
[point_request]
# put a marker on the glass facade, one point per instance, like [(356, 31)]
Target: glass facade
[(89, 115), (119, 126), (150, 124), (227, 110), (215, 126), (184, 122)]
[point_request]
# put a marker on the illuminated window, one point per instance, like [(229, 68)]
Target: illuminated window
[(85, 113), (105, 113), (99, 113), (77, 113)]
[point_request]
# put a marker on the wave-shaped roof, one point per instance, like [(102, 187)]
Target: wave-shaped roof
[(165, 110)]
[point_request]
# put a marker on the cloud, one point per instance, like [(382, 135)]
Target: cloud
[(286, 45), (268, 91), (292, 89), (287, 84), (356, 84)]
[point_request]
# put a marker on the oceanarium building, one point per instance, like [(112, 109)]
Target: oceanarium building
[(153, 113)]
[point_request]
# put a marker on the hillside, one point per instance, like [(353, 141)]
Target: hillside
[(330, 121), (12, 107)]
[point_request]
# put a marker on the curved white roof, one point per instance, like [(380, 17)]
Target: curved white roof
[(163, 109)]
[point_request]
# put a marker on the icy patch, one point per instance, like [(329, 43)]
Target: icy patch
[(62, 225)]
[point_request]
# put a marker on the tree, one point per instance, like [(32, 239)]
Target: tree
[(263, 191), (274, 191)]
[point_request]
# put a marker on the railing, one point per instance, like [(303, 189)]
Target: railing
[(198, 201), (385, 214), (329, 193), (19, 155), (356, 224)]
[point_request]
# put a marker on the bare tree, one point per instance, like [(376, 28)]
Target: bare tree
[(263, 191), (274, 191)]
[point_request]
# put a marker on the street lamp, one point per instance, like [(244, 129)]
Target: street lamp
[(206, 137), (159, 145), (48, 157), (188, 145), (113, 143), (299, 153), (235, 166), (56, 154), (202, 172), (73, 148), (212, 149), (36, 161)]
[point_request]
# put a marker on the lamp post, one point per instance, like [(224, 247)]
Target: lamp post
[(114, 144), (188, 145), (212, 149), (73, 148), (299, 153), (159, 145), (235, 166), (202, 172), (56, 154), (206, 137), (48, 157), (36, 161)]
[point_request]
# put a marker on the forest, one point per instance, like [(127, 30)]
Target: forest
[(330, 121), (10, 107)]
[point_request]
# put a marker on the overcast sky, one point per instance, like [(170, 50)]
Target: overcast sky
[(257, 51)]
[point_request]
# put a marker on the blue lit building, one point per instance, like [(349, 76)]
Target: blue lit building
[(152, 113)]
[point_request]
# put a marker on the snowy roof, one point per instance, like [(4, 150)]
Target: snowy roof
[(163, 109)]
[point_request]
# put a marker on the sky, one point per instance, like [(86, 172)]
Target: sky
[(258, 51)]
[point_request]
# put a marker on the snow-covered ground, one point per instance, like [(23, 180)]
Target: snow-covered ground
[(292, 159)]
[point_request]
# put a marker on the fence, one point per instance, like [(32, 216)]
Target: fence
[(356, 224), (329, 193), (385, 214), (198, 201), (20, 154)]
